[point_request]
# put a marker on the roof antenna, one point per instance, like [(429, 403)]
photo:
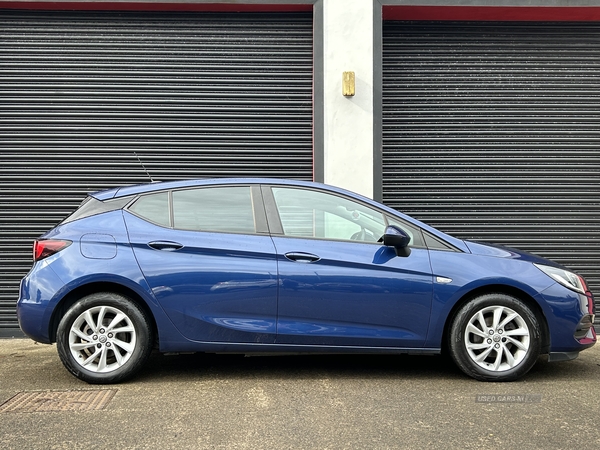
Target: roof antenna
[(143, 167)]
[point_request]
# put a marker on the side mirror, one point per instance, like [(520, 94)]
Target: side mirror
[(396, 237)]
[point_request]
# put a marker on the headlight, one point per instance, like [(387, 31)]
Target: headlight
[(567, 279)]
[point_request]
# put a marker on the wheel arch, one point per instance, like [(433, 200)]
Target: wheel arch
[(76, 294), (500, 289)]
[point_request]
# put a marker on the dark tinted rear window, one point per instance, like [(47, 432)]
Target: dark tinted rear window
[(91, 206)]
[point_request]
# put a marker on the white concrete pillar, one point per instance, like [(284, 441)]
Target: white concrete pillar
[(348, 121)]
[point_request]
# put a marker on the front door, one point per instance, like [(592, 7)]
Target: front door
[(338, 285)]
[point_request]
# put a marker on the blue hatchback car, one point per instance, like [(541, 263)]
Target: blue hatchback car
[(261, 265)]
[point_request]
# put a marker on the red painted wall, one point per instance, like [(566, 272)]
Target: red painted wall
[(493, 13)]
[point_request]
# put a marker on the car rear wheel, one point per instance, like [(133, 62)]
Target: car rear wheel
[(495, 337), (104, 338)]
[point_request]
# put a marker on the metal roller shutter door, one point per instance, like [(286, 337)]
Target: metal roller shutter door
[(86, 98), (491, 131)]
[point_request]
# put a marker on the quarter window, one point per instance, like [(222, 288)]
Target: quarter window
[(153, 207)]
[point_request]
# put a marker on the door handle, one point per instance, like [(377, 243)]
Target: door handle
[(166, 246), (302, 257)]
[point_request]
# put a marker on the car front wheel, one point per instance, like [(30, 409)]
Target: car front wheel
[(104, 338), (495, 337)]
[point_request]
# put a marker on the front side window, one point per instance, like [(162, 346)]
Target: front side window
[(218, 209), (314, 214)]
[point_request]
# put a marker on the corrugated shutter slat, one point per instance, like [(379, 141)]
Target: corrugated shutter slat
[(86, 96)]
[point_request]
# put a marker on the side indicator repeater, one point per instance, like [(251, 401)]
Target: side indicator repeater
[(443, 280)]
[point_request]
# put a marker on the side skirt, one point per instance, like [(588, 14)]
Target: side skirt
[(286, 349)]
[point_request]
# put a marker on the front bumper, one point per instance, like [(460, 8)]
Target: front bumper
[(570, 321)]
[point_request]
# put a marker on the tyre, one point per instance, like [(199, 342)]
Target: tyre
[(104, 338), (495, 337)]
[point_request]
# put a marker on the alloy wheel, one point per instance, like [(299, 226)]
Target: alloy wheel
[(497, 338), (102, 339)]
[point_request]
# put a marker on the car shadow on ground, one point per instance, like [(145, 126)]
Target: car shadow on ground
[(199, 366), (210, 366)]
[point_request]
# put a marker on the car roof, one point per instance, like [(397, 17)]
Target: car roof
[(163, 185)]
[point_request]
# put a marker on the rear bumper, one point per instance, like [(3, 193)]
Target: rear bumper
[(37, 291)]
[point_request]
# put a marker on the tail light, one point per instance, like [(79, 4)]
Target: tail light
[(48, 247)]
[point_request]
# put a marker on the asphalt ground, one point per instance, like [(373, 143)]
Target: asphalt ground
[(300, 402)]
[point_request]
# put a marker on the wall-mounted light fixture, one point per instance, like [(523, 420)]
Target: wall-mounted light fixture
[(348, 84)]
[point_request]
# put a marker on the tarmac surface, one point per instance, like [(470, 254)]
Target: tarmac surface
[(296, 402)]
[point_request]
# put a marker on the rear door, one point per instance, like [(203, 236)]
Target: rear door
[(207, 256)]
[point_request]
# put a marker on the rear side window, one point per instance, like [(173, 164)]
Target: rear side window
[(154, 208), (219, 209)]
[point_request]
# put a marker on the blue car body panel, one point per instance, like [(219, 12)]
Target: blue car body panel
[(355, 294), (469, 273), (234, 292), (217, 288), (51, 280)]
